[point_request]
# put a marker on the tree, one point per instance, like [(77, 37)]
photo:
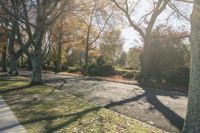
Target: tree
[(143, 26), (3, 49), (4, 53), (66, 34), (192, 122), (94, 27), (34, 17), (122, 59), (112, 46), (6, 22), (59, 42), (134, 58), (169, 53)]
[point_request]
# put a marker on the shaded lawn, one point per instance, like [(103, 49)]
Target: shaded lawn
[(46, 109)]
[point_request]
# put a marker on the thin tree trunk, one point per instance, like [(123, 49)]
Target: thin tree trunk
[(59, 56), (60, 38), (36, 67), (13, 65), (192, 122), (4, 66), (86, 60), (87, 44), (22, 61)]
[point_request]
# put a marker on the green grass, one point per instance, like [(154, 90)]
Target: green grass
[(44, 109)]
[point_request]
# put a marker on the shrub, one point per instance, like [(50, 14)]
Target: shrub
[(131, 75), (179, 77), (73, 69), (100, 61), (91, 68), (104, 70)]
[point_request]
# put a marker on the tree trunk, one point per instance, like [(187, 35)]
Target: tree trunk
[(145, 63), (192, 122), (13, 65), (86, 60), (59, 56), (29, 65), (4, 66), (36, 68), (22, 61), (12, 54)]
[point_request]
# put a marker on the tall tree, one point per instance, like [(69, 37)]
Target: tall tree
[(192, 122), (112, 46), (10, 25), (134, 58), (4, 53), (35, 17), (3, 49), (95, 19), (143, 26), (59, 37)]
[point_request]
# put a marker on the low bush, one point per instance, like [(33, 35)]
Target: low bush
[(131, 75), (73, 69), (103, 70), (100, 61), (178, 77)]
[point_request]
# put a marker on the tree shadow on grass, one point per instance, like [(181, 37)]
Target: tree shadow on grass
[(148, 94), (169, 114), (175, 119), (151, 96), (49, 128), (43, 115), (74, 117), (6, 90)]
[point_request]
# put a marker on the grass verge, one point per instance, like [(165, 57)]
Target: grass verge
[(45, 109)]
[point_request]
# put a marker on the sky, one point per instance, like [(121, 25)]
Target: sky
[(131, 37)]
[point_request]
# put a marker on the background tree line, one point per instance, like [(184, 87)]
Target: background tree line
[(75, 36), (38, 33)]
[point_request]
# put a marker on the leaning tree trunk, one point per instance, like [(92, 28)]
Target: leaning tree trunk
[(192, 122), (36, 67), (4, 66)]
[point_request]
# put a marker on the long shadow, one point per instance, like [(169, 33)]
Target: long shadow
[(14, 89), (151, 98), (50, 129), (150, 95), (113, 104), (169, 114), (74, 118), (58, 88), (57, 79)]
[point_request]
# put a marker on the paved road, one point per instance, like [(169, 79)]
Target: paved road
[(8, 121), (160, 108)]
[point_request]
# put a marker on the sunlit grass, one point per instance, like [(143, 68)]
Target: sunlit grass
[(46, 109)]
